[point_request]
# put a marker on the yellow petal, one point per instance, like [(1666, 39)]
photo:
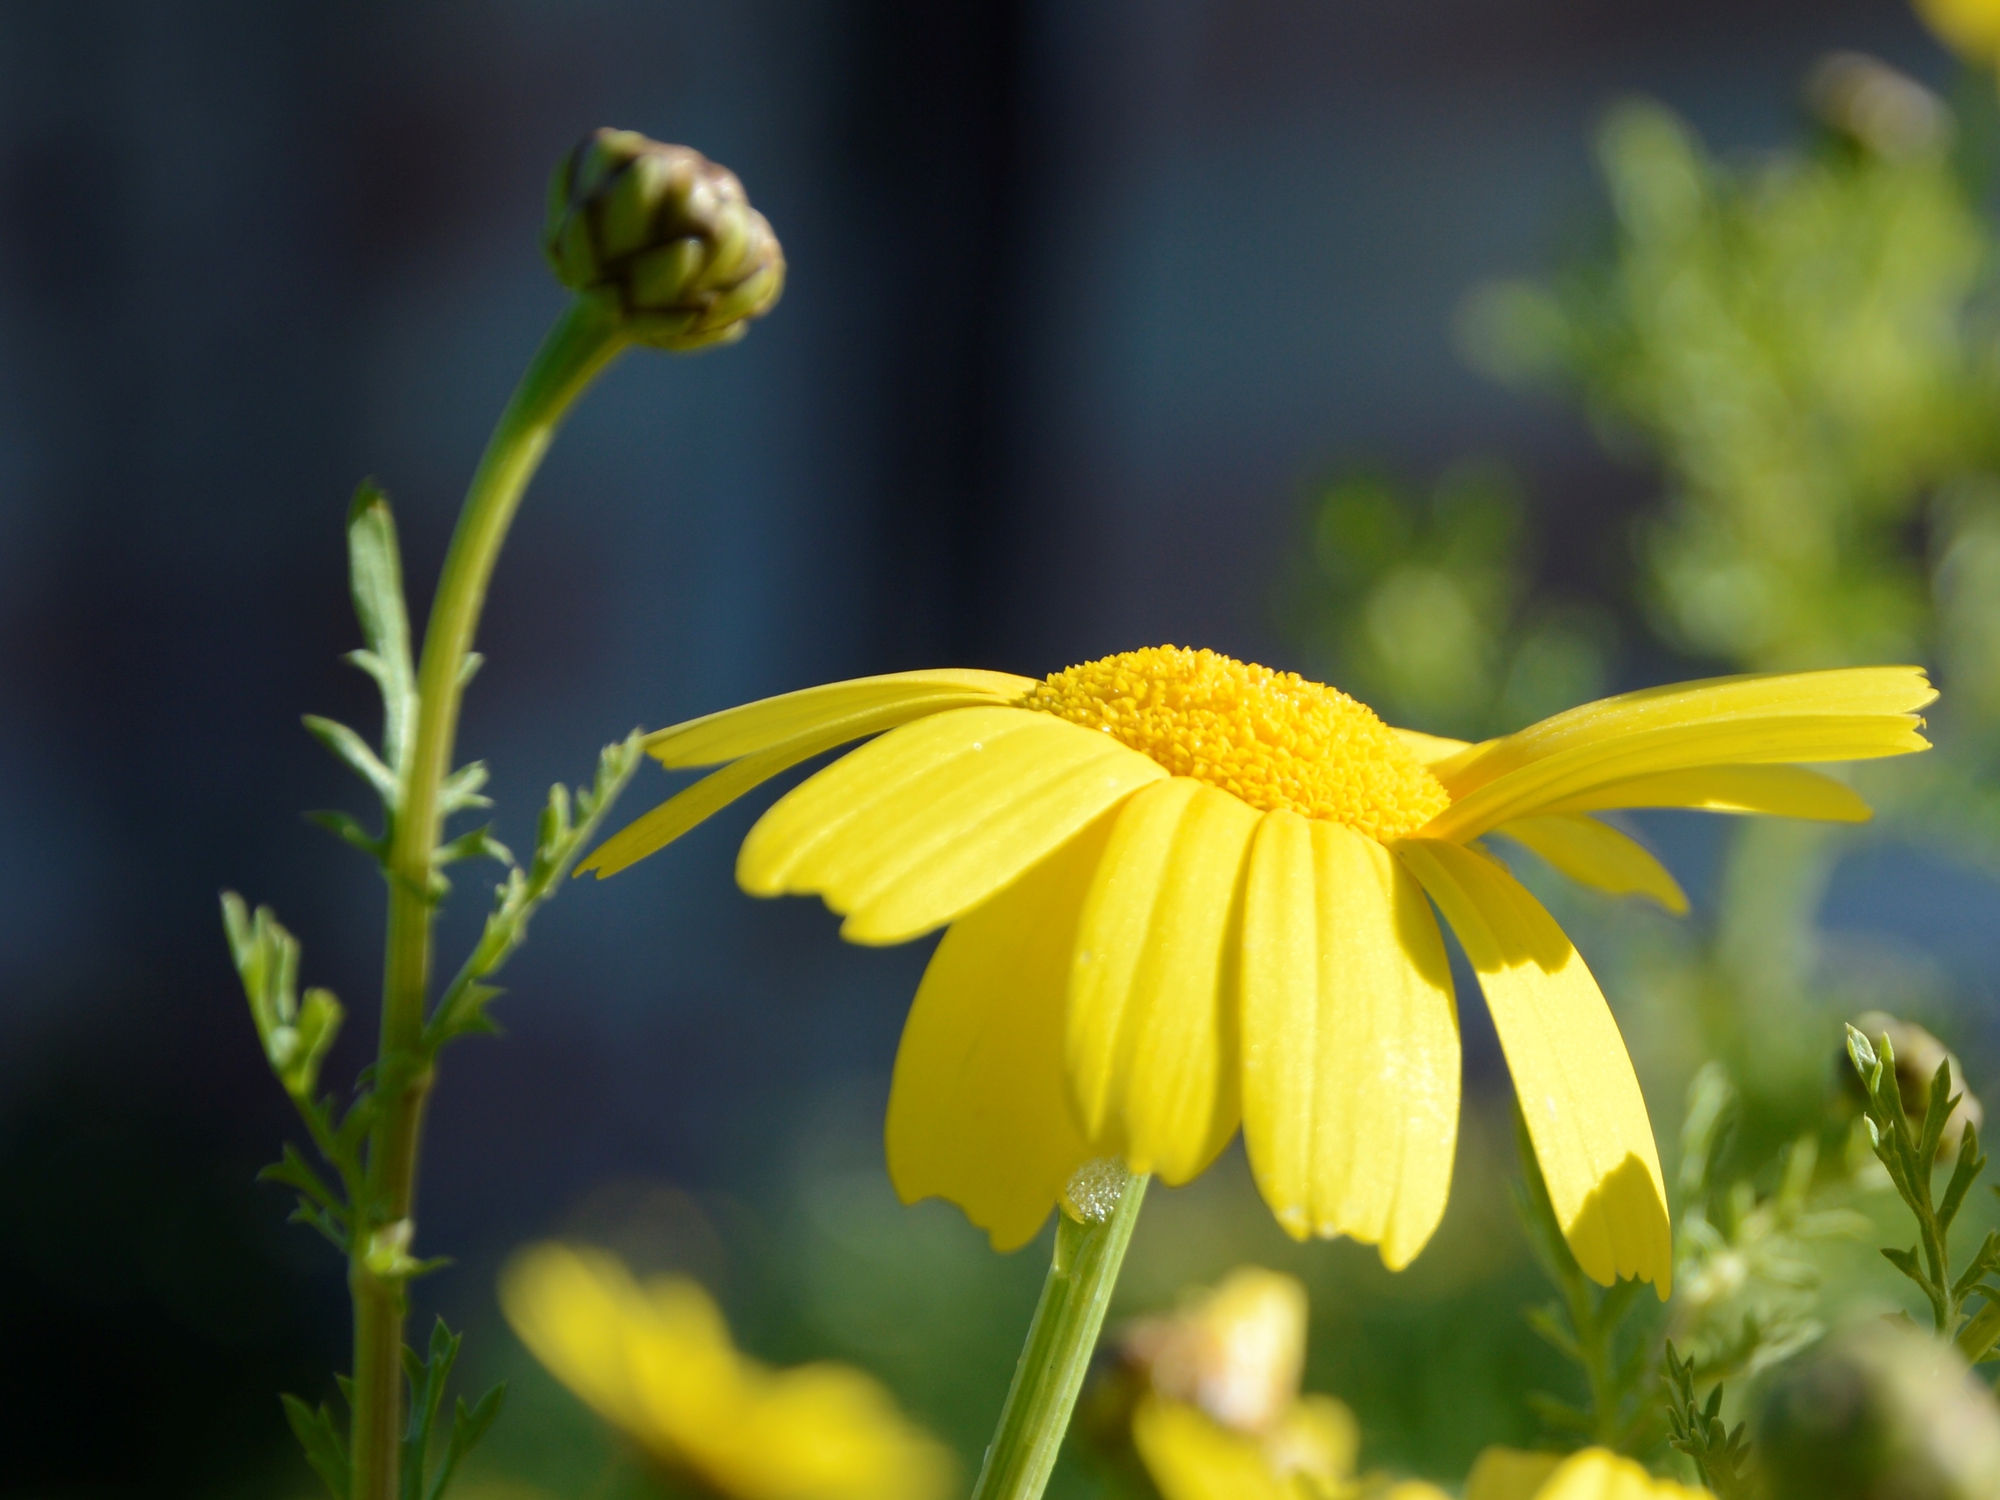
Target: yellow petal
[(1350, 1039), (657, 1363), (979, 1109), (1574, 1079), (1585, 766), (691, 1382), (826, 1432), (910, 830), (1597, 855), (1893, 693), (653, 831), (1599, 1474), (1318, 1437), (1191, 1457), (1778, 791), (1429, 749), (751, 727), (1152, 1034), (1510, 1474)]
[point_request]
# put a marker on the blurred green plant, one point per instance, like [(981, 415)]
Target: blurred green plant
[(1796, 340), (1419, 603), (1748, 1284)]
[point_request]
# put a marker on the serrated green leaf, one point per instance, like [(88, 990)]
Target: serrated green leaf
[(478, 844), (267, 963), (1977, 1339), (319, 1020), (1937, 1110), (320, 1437), (427, 1377), (353, 752), (293, 1171), (516, 900), (461, 789), (554, 825), (468, 1426), (349, 831), (1558, 1413), (1906, 1262), (331, 1227), (1862, 1053), (463, 1013), (1553, 1329), (1965, 1171), (238, 928), (375, 569)]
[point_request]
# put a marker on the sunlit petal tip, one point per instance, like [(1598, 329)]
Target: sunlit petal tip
[(1597, 855), (1578, 1093), (1842, 715), (1398, 1251), (1622, 1230)]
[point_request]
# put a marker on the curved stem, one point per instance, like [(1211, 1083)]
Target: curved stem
[(582, 343), (1061, 1340)]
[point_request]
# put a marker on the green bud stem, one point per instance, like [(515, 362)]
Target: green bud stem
[(586, 339), (1062, 1337)]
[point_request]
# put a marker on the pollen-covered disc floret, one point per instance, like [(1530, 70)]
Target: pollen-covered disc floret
[(1271, 738)]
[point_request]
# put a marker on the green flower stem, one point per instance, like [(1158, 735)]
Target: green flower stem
[(1061, 1338), (583, 342)]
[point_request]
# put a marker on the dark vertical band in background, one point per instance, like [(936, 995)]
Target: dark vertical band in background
[(938, 134)]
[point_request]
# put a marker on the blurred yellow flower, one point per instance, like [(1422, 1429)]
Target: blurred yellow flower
[(1185, 893), (1594, 1474), (1219, 1416), (1970, 28), (1237, 1350), (657, 1361), (1306, 1454)]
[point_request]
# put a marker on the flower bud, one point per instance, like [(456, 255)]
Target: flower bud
[(1918, 1054), (1878, 1413), (666, 233)]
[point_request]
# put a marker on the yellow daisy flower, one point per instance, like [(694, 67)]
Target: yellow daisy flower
[(657, 1361), (1593, 1474), (1186, 893)]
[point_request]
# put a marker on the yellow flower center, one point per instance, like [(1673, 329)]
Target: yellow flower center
[(1272, 738)]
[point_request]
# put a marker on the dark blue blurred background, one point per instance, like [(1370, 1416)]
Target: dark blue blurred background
[(1084, 300)]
